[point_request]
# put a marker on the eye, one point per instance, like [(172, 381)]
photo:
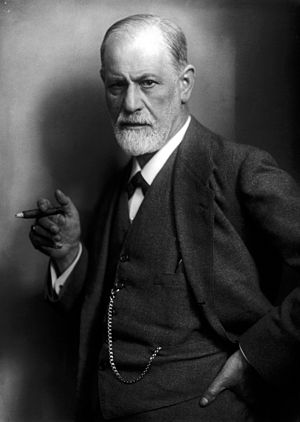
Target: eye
[(148, 83), (115, 86)]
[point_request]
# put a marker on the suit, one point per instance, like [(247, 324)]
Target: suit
[(236, 213)]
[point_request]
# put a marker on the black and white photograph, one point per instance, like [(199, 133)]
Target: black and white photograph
[(150, 211)]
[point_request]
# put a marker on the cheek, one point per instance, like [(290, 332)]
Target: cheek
[(113, 105), (158, 104), (165, 99), (162, 107)]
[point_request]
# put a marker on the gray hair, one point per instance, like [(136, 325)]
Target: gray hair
[(173, 35)]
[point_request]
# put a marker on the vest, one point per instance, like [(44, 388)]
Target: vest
[(153, 307)]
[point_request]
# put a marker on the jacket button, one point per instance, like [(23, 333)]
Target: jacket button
[(120, 284), (124, 258)]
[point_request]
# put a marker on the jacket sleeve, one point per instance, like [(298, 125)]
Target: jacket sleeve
[(272, 202), (94, 252), (71, 292)]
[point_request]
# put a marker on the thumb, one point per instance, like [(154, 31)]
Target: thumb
[(64, 201), (215, 388)]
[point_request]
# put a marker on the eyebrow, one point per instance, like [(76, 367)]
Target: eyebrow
[(145, 75)]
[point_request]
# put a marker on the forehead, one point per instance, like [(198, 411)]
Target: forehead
[(137, 51)]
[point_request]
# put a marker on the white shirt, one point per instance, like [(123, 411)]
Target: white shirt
[(153, 167), (149, 172)]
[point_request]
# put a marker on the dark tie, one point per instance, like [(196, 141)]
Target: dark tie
[(137, 181)]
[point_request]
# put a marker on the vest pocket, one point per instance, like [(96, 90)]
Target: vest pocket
[(176, 280)]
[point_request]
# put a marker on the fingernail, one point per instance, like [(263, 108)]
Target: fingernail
[(203, 401)]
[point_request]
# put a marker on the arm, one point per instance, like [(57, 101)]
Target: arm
[(70, 293), (57, 281), (272, 200), (270, 348), (58, 237)]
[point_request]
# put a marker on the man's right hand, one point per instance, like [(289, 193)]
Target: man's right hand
[(58, 235)]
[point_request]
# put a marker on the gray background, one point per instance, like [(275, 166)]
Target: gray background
[(54, 132)]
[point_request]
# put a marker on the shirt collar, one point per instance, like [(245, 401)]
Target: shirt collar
[(155, 164)]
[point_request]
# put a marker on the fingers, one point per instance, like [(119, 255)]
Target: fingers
[(216, 387), (43, 204), (61, 198), (53, 233), (51, 225), (42, 239), (46, 232), (58, 234), (64, 201), (233, 373)]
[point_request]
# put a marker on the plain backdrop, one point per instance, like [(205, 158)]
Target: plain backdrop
[(55, 132)]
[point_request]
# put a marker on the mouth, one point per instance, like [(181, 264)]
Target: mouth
[(133, 125)]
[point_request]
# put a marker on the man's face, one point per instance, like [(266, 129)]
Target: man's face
[(142, 90)]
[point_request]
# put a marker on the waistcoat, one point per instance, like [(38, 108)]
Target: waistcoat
[(153, 307)]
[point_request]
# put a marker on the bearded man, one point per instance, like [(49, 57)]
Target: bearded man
[(176, 287)]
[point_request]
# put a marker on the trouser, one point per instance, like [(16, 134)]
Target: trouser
[(266, 405), (226, 408), (222, 410)]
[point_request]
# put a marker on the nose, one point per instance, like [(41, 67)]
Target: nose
[(132, 100)]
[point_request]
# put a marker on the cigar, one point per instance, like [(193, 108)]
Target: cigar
[(37, 213)]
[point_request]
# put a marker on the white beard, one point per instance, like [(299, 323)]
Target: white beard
[(141, 141)]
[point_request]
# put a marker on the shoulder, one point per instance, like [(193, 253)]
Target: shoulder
[(225, 158), (220, 147)]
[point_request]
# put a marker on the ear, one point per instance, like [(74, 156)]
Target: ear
[(187, 79)]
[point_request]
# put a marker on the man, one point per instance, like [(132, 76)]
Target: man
[(176, 289)]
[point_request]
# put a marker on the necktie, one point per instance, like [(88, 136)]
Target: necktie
[(137, 181)]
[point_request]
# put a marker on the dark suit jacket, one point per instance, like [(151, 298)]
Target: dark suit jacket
[(237, 216)]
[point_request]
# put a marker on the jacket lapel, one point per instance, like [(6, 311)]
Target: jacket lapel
[(194, 218)]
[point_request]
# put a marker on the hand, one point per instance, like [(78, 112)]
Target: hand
[(234, 375), (58, 235)]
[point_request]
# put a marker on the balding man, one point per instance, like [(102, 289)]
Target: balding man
[(176, 288)]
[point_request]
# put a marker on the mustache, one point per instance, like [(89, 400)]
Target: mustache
[(134, 120)]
